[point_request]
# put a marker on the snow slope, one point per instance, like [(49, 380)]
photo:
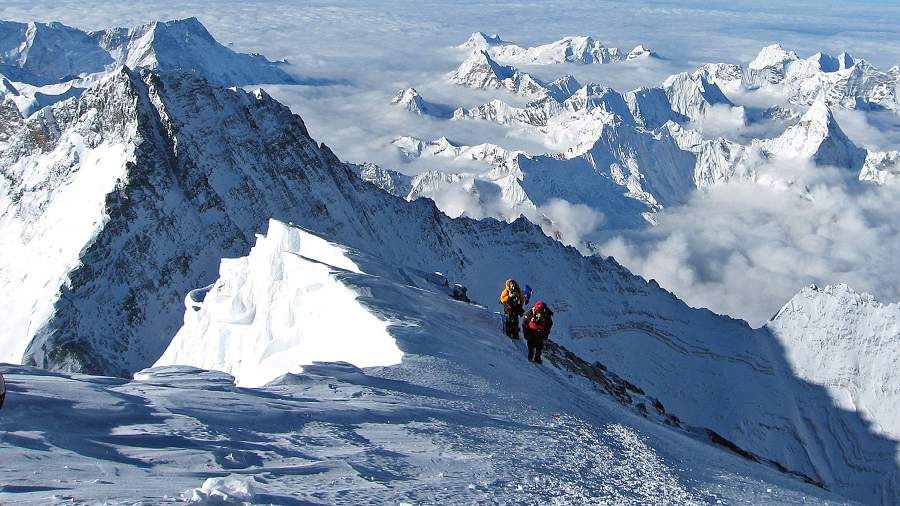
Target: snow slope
[(686, 381), (849, 343), (463, 419)]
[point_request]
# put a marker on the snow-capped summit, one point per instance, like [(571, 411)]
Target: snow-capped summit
[(442, 147), (817, 137), (410, 100), (481, 71), (640, 51), (573, 49), (693, 95), (772, 56), (480, 41), (47, 53), (845, 81), (829, 63), (42, 54), (186, 44)]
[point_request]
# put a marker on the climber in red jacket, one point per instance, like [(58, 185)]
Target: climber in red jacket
[(536, 327)]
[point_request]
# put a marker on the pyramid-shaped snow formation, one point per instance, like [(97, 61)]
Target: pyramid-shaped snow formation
[(266, 313), (481, 41), (410, 100), (41, 54), (481, 71), (817, 137)]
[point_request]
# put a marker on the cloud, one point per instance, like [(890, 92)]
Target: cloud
[(720, 120), (574, 223), (877, 131), (744, 249)]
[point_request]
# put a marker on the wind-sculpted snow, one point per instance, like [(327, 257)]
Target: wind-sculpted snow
[(582, 50), (42, 54), (266, 314)]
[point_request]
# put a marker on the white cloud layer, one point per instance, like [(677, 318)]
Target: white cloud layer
[(744, 249)]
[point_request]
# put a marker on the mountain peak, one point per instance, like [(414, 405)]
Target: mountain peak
[(772, 55), (410, 100), (640, 51), (818, 137), (481, 40)]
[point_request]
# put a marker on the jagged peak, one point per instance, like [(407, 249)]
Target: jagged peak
[(444, 142), (405, 95), (640, 51), (772, 55), (481, 40), (850, 298)]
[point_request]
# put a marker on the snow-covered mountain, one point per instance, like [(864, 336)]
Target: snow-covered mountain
[(817, 137), (882, 168), (410, 100), (582, 50), (843, 81), (413, 148), (44, 54), (849, 343), (574, 119), (480, 71)]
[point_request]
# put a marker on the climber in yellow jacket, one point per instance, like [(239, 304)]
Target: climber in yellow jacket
[(513, 301)]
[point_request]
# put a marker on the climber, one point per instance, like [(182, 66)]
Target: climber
[(536, 327), (2, 390), (513, 306)]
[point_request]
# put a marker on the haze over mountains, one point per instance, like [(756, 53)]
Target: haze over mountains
[(179, 222)]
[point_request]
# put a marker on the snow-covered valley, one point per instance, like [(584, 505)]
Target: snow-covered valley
[(211, 305)]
